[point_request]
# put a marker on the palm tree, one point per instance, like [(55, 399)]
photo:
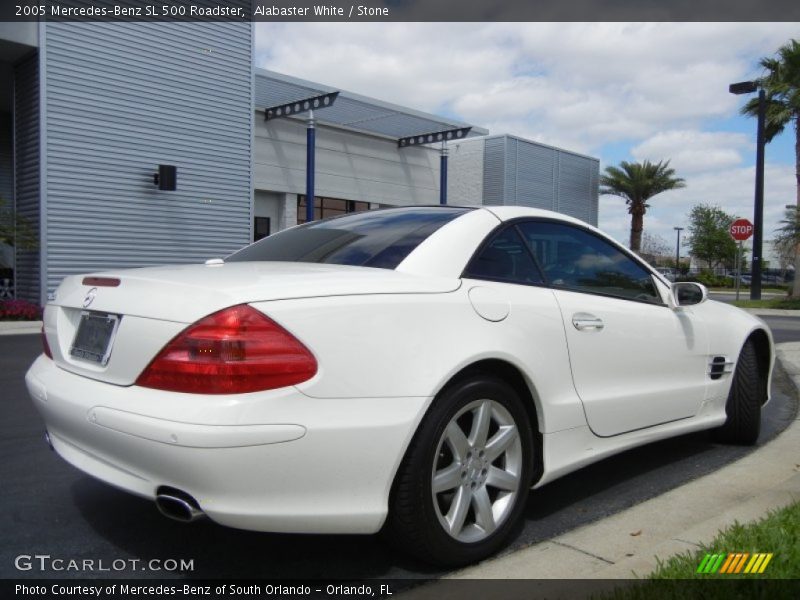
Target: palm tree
[(787, 235), (637, 183), (781, 83)]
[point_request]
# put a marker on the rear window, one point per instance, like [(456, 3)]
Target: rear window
[(381, 238)]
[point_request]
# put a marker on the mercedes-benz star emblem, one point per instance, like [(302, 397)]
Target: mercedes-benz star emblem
[(89, 297)]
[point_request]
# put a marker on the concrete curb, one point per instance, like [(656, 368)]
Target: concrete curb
[(773, 312), (20, 327), (630, 543)]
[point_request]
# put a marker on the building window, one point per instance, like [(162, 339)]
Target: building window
[(261, 228), (328, 207)]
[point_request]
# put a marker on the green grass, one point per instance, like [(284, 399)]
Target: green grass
[(746, 290), (782, 303), (677, 577), (778, 532)]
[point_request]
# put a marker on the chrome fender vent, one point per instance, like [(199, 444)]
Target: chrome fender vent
[(718, 366)]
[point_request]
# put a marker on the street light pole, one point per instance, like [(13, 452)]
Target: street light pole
[(758, 221), (677, 250), (748, 87)]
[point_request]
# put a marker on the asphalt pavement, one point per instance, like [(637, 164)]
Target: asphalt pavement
[(48, 507)]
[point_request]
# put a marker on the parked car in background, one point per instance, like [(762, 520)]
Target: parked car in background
[(773, 277), (413, 370), (744, 279), (667, 272)]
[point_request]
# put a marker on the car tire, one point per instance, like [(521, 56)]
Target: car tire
[(458, 497), (745, 399)]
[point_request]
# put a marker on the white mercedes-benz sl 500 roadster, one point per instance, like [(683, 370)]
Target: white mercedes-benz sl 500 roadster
[(413, 371)]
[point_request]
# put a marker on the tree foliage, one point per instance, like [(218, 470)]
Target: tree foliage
[(781, 83), (709, 237), (787, 237), (636, 183), (15, 230), (655, 247)]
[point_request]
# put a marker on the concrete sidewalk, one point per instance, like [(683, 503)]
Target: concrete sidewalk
[(773, 312), (629, 543), (20, 327)]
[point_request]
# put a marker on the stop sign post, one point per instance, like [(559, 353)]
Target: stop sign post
[(740, 230)]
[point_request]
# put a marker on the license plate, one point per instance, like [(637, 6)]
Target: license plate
[(95, 337)]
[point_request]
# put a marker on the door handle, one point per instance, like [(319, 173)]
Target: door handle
[(587, 322)]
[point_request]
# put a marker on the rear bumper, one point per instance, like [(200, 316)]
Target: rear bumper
[(273, 461)]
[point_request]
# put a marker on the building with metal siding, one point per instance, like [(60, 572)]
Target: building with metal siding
[(508, 170), (121, 99), (97, 107), (115, 100)]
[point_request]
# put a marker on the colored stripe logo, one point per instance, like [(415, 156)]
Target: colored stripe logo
[(735, 562)]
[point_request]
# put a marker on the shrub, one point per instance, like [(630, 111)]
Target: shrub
[(19, 310), (708, 279)]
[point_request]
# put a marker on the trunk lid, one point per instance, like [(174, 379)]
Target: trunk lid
[(156, 303), (185, 293)]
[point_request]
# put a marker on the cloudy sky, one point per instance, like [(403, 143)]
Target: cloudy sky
[(617, 91)]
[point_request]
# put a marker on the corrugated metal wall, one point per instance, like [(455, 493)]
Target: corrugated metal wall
[(531, 171), (577, 187), (594, 184), (465, 172), (122, 98), (26, 151), (494, 171), (518, 172)]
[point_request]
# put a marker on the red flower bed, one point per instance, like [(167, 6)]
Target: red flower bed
[(19, 310)]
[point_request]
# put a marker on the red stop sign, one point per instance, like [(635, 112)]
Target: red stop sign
[(741, 230)]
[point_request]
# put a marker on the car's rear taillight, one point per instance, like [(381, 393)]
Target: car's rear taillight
[(45, 345), (234, 351)]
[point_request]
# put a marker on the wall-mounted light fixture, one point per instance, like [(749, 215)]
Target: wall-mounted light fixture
[(167, 178)]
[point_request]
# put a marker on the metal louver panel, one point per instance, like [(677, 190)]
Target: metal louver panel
[(494, 158), (533, 175), (576, 192)]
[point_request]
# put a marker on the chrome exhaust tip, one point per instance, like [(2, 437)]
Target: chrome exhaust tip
[(48, 440), (178, 505)]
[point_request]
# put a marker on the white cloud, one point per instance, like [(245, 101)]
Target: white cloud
[(583, 83), (692, 151)]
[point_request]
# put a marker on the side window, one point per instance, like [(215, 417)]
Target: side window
[(504, 258), (578, 260)]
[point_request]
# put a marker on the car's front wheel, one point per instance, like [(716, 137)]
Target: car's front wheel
[(462, 486), (747, 395)]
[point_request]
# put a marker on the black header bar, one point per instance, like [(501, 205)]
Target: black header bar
[(400, 10)]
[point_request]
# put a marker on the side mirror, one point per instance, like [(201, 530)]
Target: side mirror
[(688, 293)]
